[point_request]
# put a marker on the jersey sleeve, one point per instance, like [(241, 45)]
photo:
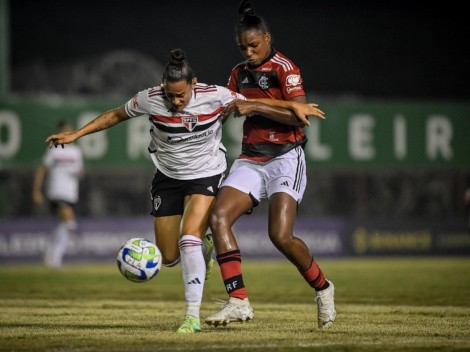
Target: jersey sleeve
[(138, 105), (227, 95), (232, 80), (291, 82)]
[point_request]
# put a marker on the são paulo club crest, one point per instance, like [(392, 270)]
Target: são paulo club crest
[(189, 122), (157, 201)]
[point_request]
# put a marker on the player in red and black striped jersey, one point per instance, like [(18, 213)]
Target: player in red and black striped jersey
[(271, 165), (273, 77)]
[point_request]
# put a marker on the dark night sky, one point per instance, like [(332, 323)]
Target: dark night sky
[(373, 49)]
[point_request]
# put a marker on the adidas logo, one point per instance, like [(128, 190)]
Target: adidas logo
[(285, 183), (245, 81), (194, 281), (210, 189)]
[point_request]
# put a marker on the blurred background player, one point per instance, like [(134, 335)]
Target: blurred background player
[(271, 165), (62, 169), (186, 132)]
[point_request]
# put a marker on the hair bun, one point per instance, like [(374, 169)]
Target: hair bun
[(177, 57), (246, 8)]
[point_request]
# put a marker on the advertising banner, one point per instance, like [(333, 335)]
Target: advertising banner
[(25, 240), (354, 134), (100, 239), (409, 238)]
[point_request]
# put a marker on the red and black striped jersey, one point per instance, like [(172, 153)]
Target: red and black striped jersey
[(276, 78)]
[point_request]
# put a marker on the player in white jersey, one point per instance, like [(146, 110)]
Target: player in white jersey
[(63, 168), (186, 125), (191, 137)]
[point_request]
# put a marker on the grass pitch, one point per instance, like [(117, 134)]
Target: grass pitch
[(399, 304)]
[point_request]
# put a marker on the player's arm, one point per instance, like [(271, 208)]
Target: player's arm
[(298, 107), (38, 181), (102, 122), (293, 113)]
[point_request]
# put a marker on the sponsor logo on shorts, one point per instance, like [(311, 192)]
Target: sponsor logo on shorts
[(157, 201)]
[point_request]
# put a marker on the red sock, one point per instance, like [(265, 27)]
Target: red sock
[(314, 277), (230, 264)]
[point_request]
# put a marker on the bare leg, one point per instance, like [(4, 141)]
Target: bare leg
[(282, 213)]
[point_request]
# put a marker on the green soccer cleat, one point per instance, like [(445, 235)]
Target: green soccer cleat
[(208, 249), (190, 325)]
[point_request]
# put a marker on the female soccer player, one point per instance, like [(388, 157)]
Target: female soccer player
[(186, 126), (271, 165), (64, 168)]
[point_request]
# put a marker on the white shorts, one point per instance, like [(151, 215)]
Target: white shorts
[(285, 173)]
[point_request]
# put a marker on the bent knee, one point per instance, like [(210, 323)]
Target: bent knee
[(217, 219), (281, 241)]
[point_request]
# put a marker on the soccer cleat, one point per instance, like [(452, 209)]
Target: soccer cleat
[(208, 248), (190, 325), (51, 262), (326, 306), (233, 310)]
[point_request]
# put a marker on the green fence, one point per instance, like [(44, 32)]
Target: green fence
[(355, 134)]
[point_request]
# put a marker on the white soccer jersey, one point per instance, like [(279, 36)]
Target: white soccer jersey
[(188, 144), (63, 172)]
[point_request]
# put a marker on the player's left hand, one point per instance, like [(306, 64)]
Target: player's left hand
[(302, 111)]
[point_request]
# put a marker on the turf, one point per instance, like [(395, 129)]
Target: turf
[(399, 304)]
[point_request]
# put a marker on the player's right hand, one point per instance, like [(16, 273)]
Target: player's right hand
[(55, 140)]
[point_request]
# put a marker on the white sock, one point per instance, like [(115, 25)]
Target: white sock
[(194, 272), (72, 225), (58, 245)]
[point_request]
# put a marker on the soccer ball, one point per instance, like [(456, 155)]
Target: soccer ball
[(139, 260)]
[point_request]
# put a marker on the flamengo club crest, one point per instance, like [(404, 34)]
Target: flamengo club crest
[(189, 122), (263, 82)]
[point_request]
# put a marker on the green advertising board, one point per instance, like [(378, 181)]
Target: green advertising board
[(354, 134)]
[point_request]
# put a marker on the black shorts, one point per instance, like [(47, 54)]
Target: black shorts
[(167, 194), (55, 204)]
